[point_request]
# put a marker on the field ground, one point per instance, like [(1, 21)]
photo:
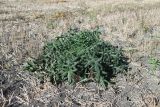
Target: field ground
[(134, 25)]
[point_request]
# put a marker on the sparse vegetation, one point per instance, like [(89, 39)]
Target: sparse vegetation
[(26, 25)]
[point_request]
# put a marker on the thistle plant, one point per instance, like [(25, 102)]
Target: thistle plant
[(79, 56)]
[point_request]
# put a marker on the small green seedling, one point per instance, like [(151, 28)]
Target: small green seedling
[(155, 63)]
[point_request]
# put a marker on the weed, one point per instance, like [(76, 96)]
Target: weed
[(79, 56), (155, 63)]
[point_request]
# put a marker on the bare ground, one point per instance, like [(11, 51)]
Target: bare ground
[(25, 25)]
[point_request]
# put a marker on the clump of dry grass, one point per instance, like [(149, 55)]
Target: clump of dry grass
[(53, 1)]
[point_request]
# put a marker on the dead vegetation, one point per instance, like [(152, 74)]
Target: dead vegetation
[(25, 25)]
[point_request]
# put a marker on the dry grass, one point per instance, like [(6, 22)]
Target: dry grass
[(25, 25)]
